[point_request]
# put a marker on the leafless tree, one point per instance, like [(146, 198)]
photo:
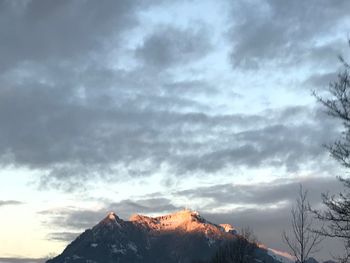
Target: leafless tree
[(239, 250), (337, 219), (337, 215), (248, 234), (303, 241), (338, 106)]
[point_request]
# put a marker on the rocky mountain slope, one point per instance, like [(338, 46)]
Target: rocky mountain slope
[(180, 237)]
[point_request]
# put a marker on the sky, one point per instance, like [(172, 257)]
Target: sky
[(154, 106)]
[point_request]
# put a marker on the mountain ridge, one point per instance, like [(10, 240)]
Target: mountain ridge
[(184, 236)]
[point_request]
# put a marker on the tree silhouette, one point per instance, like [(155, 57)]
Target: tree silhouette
[(337, 215), (303, 241)]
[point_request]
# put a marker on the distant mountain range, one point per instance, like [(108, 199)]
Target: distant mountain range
[(182, 237)]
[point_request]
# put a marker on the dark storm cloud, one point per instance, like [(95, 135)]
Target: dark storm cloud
[(293, 31), (9, 202), (170, 46)]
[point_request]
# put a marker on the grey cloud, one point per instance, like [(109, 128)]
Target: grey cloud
[(321, 81), (10, 202), (285, 143), (264, 194), (52, 118), (72, 220), (102, 134), (169, 46), (76, 219), (149, 205), (44, 30), (191, 87), (285, 32), (268, 225), (267, 219), (63, 236), (76, 121)]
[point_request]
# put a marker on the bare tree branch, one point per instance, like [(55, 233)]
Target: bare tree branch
[(337, 213), (303, 242)]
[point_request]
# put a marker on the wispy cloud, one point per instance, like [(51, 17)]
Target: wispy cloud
[(10, 202)]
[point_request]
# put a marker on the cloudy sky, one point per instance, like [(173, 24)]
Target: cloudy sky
[(152, 106)]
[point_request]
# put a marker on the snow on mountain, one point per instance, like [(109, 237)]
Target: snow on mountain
[(282, 257), (183, 236), (184, 220), (228, 228)]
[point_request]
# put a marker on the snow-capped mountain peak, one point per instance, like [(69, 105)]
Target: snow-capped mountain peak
[(112, 216), (111, 221), (186, 221), (178, 237), (228, 228)]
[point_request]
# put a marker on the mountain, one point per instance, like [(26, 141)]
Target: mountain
[(280, 256), (183, 237)]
